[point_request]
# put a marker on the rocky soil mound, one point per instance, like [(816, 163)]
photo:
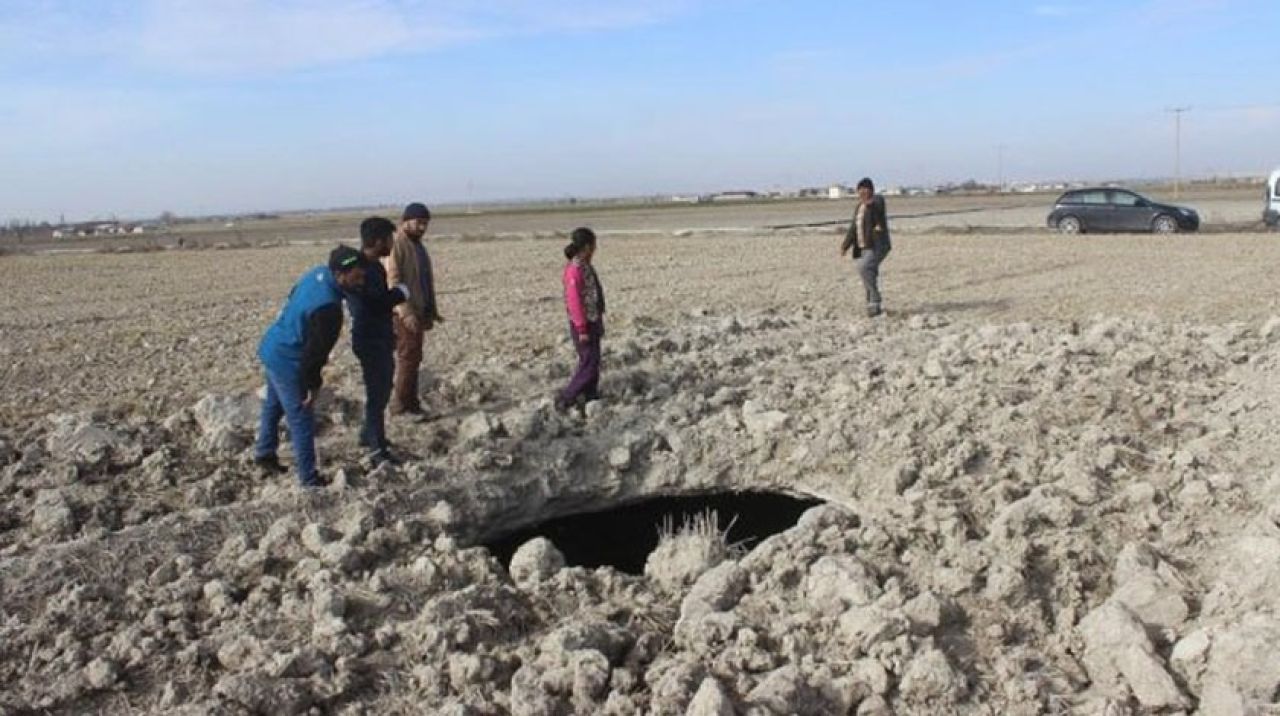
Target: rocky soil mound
[(1020, 519)]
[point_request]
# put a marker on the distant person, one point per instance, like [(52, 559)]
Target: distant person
[(409, 264), (868, 236), (372, 336), (584, 302), (294, 350)]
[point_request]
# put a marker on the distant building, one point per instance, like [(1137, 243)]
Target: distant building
[(735, 196), (106, 228), (837, 191)]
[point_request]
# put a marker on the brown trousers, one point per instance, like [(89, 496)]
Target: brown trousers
[(408, 360)]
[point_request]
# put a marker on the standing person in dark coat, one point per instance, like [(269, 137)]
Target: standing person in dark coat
[(410, 264), (293, 352), (372, 337), (584, 302), (868, 236)]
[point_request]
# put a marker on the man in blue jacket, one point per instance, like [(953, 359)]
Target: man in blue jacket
[(372, 338), (293, 351)]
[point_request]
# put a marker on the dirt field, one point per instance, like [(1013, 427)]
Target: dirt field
[(1051, 466), (1222, 210), (158, 330)]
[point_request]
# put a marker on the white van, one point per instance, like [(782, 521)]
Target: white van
[(1271, 214)]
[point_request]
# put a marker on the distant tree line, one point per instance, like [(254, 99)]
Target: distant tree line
[(22, 228)]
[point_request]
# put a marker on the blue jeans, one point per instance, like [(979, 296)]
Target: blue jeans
[(284, 400), (378, 365)]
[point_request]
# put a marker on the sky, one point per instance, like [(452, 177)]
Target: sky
[(132, 108)]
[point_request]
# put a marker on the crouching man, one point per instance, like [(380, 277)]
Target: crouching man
[(293, 351)]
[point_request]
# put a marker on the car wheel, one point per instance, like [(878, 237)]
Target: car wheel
[(1069, 225), (1164, 224)]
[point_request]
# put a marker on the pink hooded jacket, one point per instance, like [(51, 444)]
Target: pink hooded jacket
[(583, 296)]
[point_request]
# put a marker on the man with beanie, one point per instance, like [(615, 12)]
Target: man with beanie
[(372, 336), (294, 350), (410, 265)]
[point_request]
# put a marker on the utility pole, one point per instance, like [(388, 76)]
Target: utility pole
[(1177, 147), (1000, 168)]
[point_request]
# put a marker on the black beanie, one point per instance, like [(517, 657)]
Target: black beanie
[(416, 210), (343, 258)]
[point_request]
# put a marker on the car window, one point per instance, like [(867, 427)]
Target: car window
[(1092, 197), (1074, 198), (1124, 198)]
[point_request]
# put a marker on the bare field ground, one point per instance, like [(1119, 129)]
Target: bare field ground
[(185, 323), (1050, 468), (1222, 209)]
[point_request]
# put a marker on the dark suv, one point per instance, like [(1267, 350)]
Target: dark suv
[(1108, 209)]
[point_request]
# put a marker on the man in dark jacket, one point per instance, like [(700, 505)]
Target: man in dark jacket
[(372, 336), (294, 350), (868, 236)]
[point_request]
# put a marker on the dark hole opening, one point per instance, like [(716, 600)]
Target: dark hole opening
[(623, 537)]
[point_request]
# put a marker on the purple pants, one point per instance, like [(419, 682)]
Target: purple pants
[(586, 379)]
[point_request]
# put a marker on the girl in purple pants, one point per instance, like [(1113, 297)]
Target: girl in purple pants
[(584, 301)]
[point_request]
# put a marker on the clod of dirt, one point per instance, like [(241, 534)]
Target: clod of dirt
[(226, 422), (682, 556), (710, 700), (52, 514), (535, 561), (1121, 659), (930, 678), (78, 440)]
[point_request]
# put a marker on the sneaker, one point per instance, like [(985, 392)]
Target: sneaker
[(873, 310), (316, 482), (269, 464), (377, 457)]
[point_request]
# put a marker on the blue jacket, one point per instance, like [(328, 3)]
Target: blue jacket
[(299, 341)]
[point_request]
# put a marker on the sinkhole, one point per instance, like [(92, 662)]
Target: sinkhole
[(623, 536)]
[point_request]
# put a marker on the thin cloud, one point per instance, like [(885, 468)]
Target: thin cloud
[(1055, 10), (1109, 25), (49, 119), (250, 36)]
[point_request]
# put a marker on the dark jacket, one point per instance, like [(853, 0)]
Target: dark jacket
[(370, 308), (875, 225)]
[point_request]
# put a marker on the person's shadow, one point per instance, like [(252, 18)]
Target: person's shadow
[(983, 305)]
